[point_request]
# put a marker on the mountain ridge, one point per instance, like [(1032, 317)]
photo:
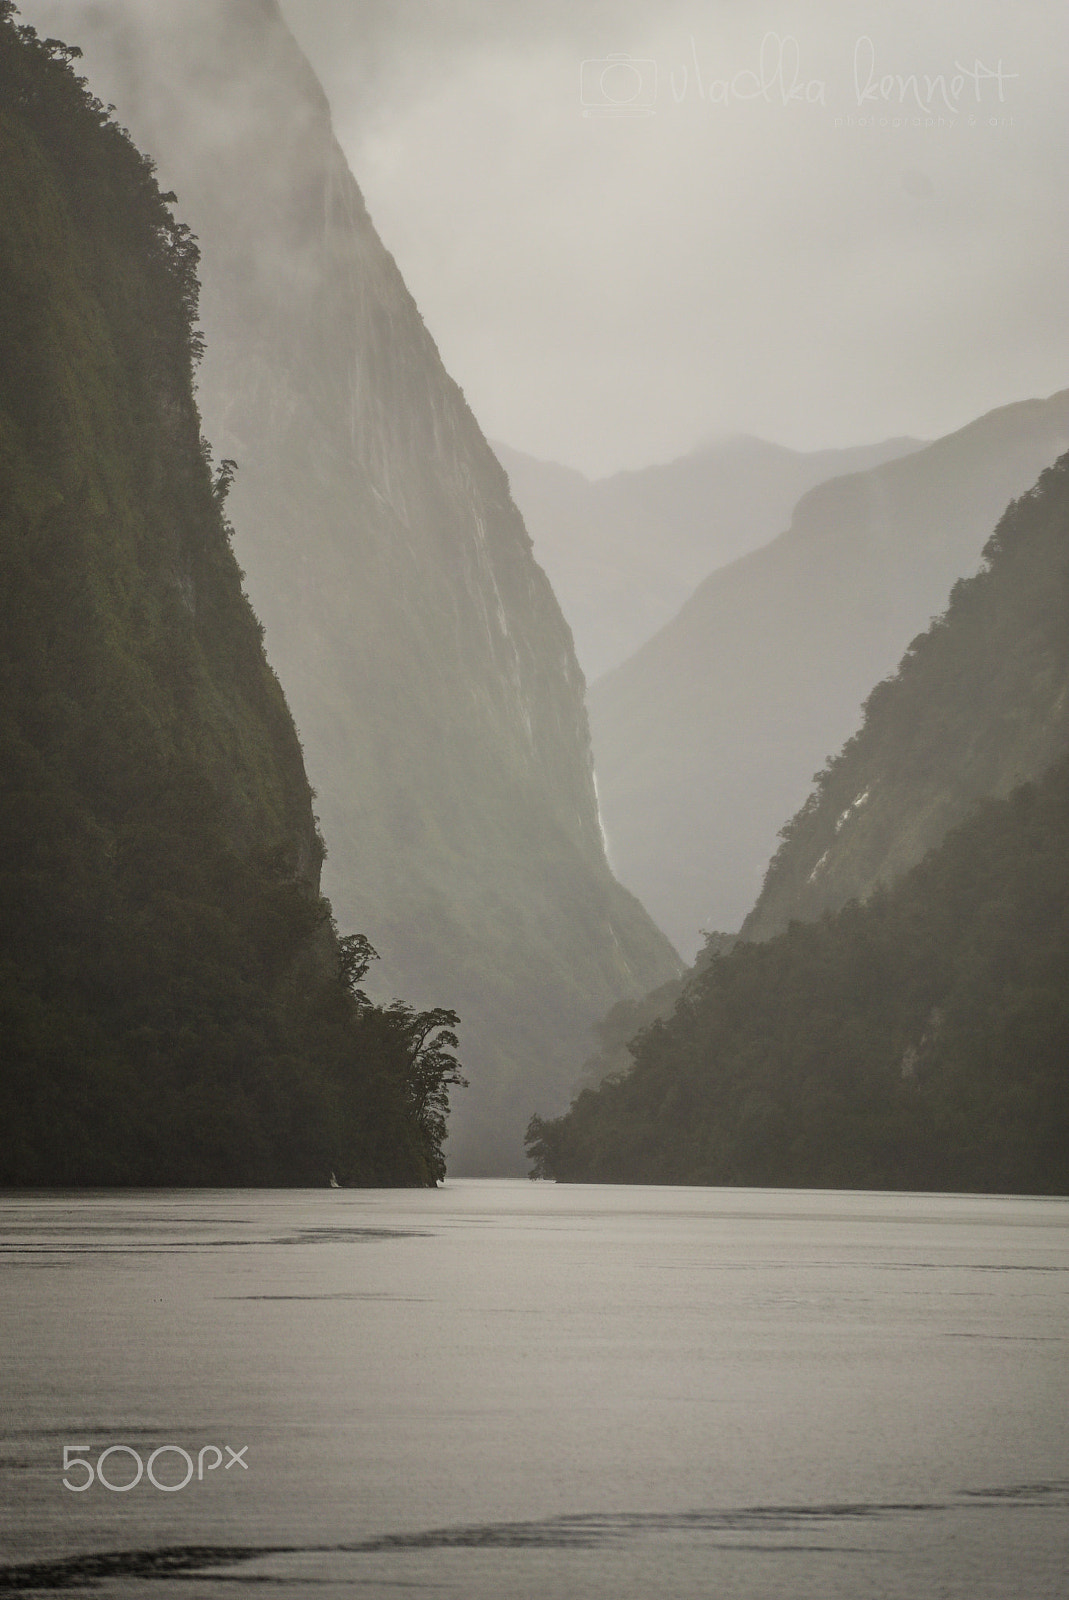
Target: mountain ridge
[(913, 1031), (624, 552), (707, 737)]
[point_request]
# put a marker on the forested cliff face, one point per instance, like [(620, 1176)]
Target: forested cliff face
[(916, 1042), (979, 704), (431, 674), (174, 1004), (920, 1039)]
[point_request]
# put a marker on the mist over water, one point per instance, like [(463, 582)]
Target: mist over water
[(506, 1389)]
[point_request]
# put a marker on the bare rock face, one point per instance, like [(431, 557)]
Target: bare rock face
[(429, 669)]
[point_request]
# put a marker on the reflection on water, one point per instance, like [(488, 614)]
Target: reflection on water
[(507, 1389)]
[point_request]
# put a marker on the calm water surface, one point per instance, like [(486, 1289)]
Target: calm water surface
[(507, 1389)]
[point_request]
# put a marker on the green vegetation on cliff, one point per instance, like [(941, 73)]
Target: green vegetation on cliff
[(426, 661), (919, 1041), (175, 1005), (979, 704)]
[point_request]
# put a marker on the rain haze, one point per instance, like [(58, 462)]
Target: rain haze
[(688, 404), (633, 228), (821, 224)]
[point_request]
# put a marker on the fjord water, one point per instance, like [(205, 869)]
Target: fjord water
[(505, 1389)]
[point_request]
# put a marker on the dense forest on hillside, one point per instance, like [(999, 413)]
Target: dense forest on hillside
[(979, 704), (914, 1030), (918, 1041), (175, 1004), (428, 666)]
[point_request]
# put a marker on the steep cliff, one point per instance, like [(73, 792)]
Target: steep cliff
[(431, 675), (174, 1004), (708, 737), (979, 704)]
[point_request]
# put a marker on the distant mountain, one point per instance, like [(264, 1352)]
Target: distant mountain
[(623, 553), (175, 1006), (430, 672), (709, 735), (979, 704), (919, 1039)]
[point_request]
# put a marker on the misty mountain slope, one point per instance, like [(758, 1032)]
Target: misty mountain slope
[(979, 703), (175, 1007), (707, 737), (431, 674), (623, 553)]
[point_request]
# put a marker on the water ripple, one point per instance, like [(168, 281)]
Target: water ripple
[(578, 1531)]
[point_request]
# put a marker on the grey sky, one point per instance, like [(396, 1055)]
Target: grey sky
[(609, 289)]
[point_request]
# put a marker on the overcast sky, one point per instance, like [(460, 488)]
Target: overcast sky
[(756, 226)]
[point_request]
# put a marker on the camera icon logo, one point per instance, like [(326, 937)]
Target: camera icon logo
[(618, 86)]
